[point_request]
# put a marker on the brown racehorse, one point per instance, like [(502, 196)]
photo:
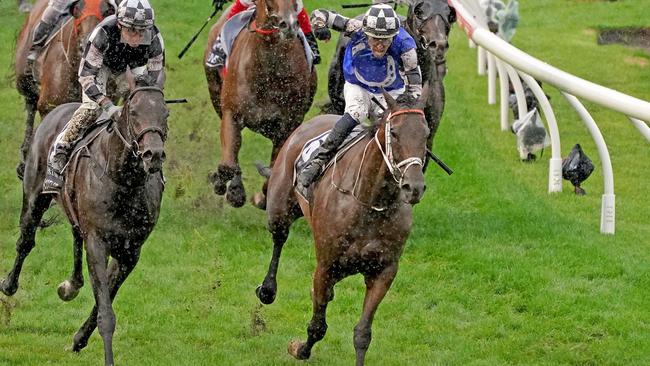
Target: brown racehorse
[(268, 88), (112, 195), (360, 213), (58, 64)]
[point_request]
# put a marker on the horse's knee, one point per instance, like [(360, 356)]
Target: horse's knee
[(362, 337)]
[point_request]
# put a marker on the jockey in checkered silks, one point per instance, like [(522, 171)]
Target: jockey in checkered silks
[(53, 12), (380, 55), (128, 39)]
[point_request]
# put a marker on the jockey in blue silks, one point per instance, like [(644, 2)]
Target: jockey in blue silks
[(380, 55)]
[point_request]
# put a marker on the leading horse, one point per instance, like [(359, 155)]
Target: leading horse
[(58, 64), (112, 195), (429, 23), (360, 213), (268, 87)]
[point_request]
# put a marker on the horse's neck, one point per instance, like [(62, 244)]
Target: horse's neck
[(376, 185), (121, 164)]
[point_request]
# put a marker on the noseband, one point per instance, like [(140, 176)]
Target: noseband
[(396, 168), (136, 137)]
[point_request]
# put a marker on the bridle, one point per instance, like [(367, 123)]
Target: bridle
[(397, 169), (134, 136), (416, 24)]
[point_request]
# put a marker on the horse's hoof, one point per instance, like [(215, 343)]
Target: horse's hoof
[(20, 170), (297, 350), (259, 200), (236, 195), (78, 343), (67, 291), (7, 288), (218, 184), (266, 296)]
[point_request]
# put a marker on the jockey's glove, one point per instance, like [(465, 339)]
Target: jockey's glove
[(218, 4), (322, 33), (112, 110)]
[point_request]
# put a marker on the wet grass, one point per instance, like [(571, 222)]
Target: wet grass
[(496, 270)]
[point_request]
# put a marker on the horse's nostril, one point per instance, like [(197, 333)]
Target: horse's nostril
[(283, 25), (147, 155), (406, 187), (163, 156)]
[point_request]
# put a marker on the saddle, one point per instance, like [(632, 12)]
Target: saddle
[(310, 148), (237, 23)]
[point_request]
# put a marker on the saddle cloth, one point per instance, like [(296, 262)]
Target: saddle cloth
[(236, 24), (310, 148)]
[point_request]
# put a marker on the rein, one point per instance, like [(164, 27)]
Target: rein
[(393, 167), (134, 146)]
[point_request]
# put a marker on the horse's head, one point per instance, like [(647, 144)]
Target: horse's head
[(143, 125), (279, 14), (87, 14), (406, 131), (429, 22)]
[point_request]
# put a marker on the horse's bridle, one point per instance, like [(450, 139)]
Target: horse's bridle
[(396, 168), (136, 137), (416, 24)]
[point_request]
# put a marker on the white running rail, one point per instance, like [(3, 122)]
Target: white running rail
[(508, 61)]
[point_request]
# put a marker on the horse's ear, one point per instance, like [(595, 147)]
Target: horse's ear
[(452, 15), (392, 104), (422, 100)]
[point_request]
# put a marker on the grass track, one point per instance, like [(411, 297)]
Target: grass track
[(496, 271)]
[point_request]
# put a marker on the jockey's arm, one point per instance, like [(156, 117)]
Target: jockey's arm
[(156, 61), (412, 73), (91, 62), (321, 18)]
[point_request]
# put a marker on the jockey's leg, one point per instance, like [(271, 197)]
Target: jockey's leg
[(326, 151), (305, 26), (41, 34), (238, 7)]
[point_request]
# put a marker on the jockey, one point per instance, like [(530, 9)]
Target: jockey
[(217, 57), (380, 55), (128, 39), (53, 12)]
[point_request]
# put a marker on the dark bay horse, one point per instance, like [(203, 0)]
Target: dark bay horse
[(58, 64), (112, 195), (360, 213), (429, 23), (268, 88)]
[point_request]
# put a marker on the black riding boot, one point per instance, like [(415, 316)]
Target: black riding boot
[(217, 57), (55, 165), (41, 33), (313, 44), (326, 151)]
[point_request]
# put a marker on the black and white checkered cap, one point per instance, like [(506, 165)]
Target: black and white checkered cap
[(135, 14), (380, 21)]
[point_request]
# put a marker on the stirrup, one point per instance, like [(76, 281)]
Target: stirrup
[(53, 182)]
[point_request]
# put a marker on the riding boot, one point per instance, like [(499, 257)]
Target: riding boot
[(313, 44), (326, 151), (56, 163), (41, 33), (217, 57)]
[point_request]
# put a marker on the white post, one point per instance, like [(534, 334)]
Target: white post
[(492, 79), (504, 92), (608, 209), (642, 127), (522, 108), (480, 51)]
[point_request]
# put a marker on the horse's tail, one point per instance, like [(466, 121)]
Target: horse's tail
[(262, 169)]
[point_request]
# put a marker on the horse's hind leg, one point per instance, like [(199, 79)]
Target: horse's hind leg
[(376, 288), (30, 107), (30, 217), (321, 295), (69, 289)]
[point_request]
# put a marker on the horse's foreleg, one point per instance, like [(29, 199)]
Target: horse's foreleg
[(118, 272), (30, 107), (321, 295), (267, 290), (376, 288), (30, 217), (230, 144), (69, 289)]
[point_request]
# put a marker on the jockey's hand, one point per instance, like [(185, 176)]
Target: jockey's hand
[(112, 110), (219, 4), (322, 33)]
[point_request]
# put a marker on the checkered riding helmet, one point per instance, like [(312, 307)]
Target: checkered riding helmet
[(380, 21), (135, 14)]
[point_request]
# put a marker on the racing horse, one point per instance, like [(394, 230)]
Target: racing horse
[(268, 87), (112, 195), (360, 213), (58, 64), (429, 23)]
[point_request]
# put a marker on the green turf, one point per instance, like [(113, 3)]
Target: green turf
[(496, 271)]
